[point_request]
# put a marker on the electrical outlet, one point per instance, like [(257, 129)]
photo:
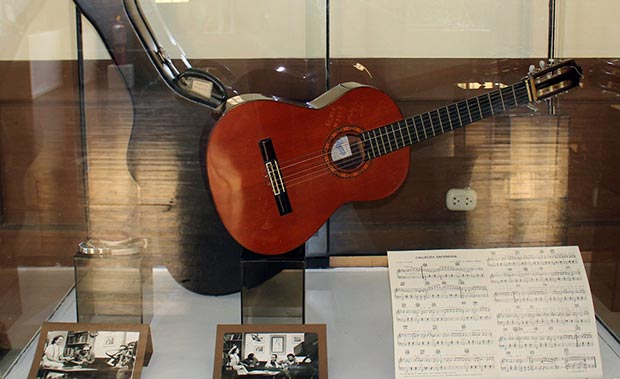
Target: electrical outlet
[(461, 199)]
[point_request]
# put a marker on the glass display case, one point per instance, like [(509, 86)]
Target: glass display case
[(111, 114)]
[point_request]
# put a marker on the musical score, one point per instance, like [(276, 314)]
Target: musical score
[(432, 365), (543, 317), (437, 339), (444, 314), (540, 342), (495, 313), (541, 295), (539, 277), (542, 257), (442, 272), (441, 292), (570, 364)]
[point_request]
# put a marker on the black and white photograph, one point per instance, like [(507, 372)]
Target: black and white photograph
[(271, 351), (76, 351)]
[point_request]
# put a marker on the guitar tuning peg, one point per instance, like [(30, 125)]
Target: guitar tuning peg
[(531, 69), (542, 64)]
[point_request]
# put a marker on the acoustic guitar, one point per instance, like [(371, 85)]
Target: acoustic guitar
[(277, 170)]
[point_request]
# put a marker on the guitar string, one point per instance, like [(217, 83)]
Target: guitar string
[(311, 172), (396, 130), (300, 179), (451, 115), (514, 87), (322, 154), (388, 134)]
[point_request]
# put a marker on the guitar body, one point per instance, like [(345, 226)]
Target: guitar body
[(317, 173)]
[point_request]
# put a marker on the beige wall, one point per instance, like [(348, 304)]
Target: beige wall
[(37, 29), (45, 29), (589, 28)]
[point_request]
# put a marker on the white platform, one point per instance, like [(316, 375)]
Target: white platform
[(354, 303)]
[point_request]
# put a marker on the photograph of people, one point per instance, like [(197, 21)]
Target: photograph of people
[(290, 360), (273, 362), (294, 356), (250, 361), (53, 356), (88, 354), (235, 362), (84, 356), (124, 360)]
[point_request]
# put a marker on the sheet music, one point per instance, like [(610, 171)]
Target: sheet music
[(496, 313)]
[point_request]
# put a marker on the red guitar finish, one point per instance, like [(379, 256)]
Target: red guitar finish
[(277, 170), (303, 136)]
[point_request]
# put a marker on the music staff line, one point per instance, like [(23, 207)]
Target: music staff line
[(533, 260), (421, 364), (541, 317), (438, 339), (569, 363), (440, 273), (536, 277), (441, 292), (540, 295), (549, 341), (443, 314)]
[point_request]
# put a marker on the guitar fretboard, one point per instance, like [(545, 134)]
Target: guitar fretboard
[(388, 138)]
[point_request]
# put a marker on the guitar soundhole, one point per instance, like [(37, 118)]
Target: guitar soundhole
[(346, 155)]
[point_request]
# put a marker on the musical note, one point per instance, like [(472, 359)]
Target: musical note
[(483, 313), (445, 364), (547, 363), (544, 317), (536, 277), (541, 295), (441, 272), (546, 341), (441, 291), (438, 339), (444, 314), (532, 260)]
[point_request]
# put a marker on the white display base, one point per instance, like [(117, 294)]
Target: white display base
[(354, 303)]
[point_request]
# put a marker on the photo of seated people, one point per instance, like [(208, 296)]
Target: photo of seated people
[(87, 354), (270, 355)]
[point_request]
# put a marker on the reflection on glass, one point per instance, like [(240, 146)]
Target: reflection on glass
[(273, 291), (41, 199)]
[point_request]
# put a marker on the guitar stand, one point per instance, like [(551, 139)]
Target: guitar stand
[(273, 288)]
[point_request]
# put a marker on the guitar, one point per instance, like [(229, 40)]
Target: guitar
[(278, 170)]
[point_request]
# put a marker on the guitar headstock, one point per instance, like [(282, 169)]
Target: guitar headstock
[(554, 80)]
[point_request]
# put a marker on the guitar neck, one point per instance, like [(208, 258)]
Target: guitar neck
[(388, 138)]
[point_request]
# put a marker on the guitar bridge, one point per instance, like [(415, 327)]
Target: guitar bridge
[(275, 176)]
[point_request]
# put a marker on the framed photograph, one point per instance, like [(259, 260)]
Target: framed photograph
[(277, 344), (91, 350), (271, 351)]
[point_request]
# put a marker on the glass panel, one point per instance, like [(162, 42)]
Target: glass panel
[(136, 170), (245, 46), (542, 180), (146, 144), (112, 283), (426, 56), (585, 30), (41, 166), (273, 291)]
